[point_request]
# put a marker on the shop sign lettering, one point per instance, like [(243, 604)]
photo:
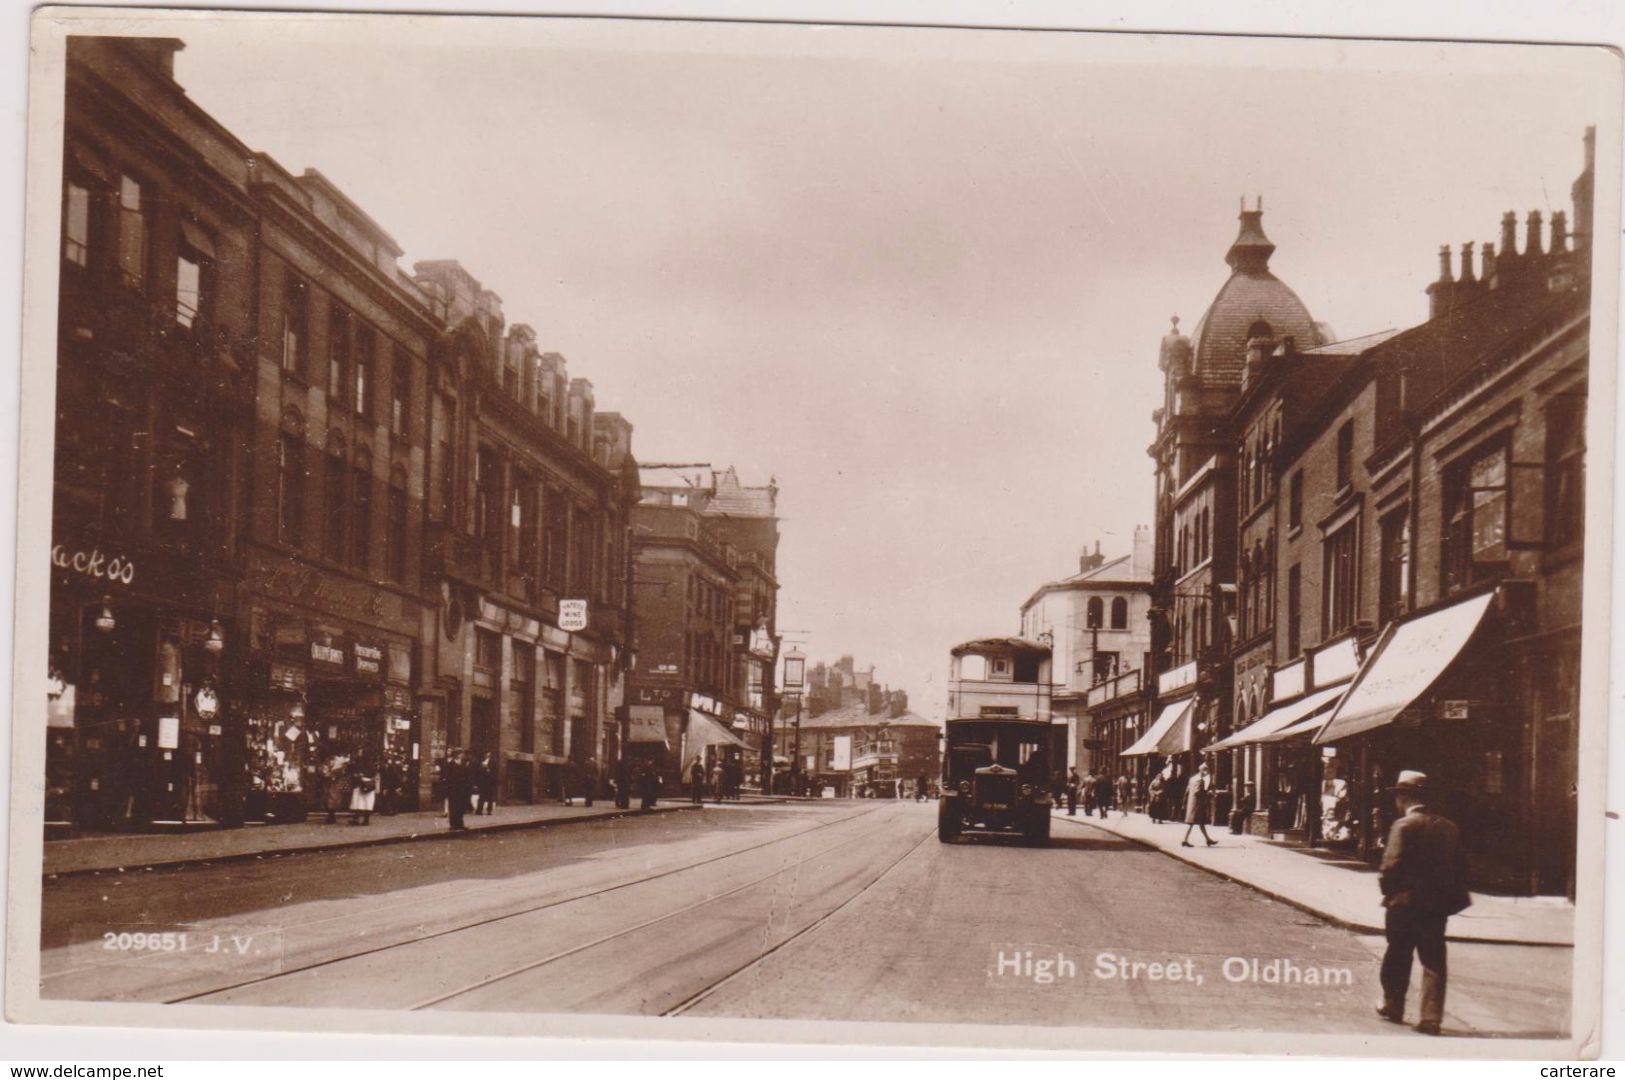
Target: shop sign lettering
[(93, 563), (369, 659), (327, 654)]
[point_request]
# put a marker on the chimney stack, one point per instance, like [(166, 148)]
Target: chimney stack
[(1560, 232), (1532, 238), (1509, 235), (1581, 191)]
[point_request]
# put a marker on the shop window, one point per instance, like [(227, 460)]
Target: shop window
[(361, 500), (1565, 471), (338, 353), (1345, 455), (1119, 613), (1294, 501), (397, 524), (1340, 579), (335, 507), (1475, 498), (1294, 610), (132, 233), (295, 323), (1396, 566), (551, 734), (1093, 617), (366, 348), (179, 482), (523, 688), (76, 224), (400, 391)]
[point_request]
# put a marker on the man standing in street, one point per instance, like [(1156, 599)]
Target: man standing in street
[(696, 780), (1424, 882), (459, 787), (589, 779)]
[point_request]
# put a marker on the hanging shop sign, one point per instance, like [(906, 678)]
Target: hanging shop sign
[(94, 563), (207, 703), (169, 732), (397, 698), (369, 659), (572, 615)]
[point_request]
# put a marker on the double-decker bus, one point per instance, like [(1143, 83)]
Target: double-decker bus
[(996, 759)]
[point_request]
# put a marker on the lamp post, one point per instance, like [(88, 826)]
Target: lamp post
[(795, 669)]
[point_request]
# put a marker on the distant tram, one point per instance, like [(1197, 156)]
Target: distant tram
[(996, 761)]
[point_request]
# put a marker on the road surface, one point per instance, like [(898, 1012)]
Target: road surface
[(844, 910)]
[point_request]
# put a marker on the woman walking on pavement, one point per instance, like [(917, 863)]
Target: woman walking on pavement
[(1157, 805), (1198, 806)]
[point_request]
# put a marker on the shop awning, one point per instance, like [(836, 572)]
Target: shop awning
[(1272, 723), (1170, 734), (704, 731), (1409, 659), (646, 724)]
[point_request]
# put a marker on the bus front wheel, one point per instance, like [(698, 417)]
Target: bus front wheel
[(947, 821)]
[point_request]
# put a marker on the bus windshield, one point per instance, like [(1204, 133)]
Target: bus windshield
[(1022, 747)]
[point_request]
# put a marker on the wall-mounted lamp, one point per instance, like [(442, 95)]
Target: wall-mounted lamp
[(105, 621), (216, 641)]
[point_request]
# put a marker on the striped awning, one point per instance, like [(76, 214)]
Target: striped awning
[(1406, 662), (1277, 720), (1170, 734)]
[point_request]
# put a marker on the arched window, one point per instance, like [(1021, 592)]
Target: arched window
[(1096, 609), (1119, 613)]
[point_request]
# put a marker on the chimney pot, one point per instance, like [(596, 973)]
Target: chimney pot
[(1560, 231), (1467, 262), (1532, 238), (1509, 235), (1444, 263), (1487, 255)]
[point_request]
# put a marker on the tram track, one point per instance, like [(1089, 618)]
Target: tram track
[(486, 982), (467, 926)]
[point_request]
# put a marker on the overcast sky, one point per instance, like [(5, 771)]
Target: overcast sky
[(919, 277)]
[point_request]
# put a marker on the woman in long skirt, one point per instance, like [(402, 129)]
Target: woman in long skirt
[(363, 795), (1198, 806)]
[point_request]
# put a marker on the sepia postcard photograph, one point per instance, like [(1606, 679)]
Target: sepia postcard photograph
[(786, 532)]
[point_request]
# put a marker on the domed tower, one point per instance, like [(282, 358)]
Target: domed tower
[(1205, 377), (1252, 303)]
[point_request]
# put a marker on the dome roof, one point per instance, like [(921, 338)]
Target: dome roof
[(1252, 303)]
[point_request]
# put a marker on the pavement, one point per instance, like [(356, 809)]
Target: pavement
[(138, 851), (837, 910), (1346, 895)]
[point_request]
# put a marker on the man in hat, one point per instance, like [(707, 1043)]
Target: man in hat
[(1424, 882)]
